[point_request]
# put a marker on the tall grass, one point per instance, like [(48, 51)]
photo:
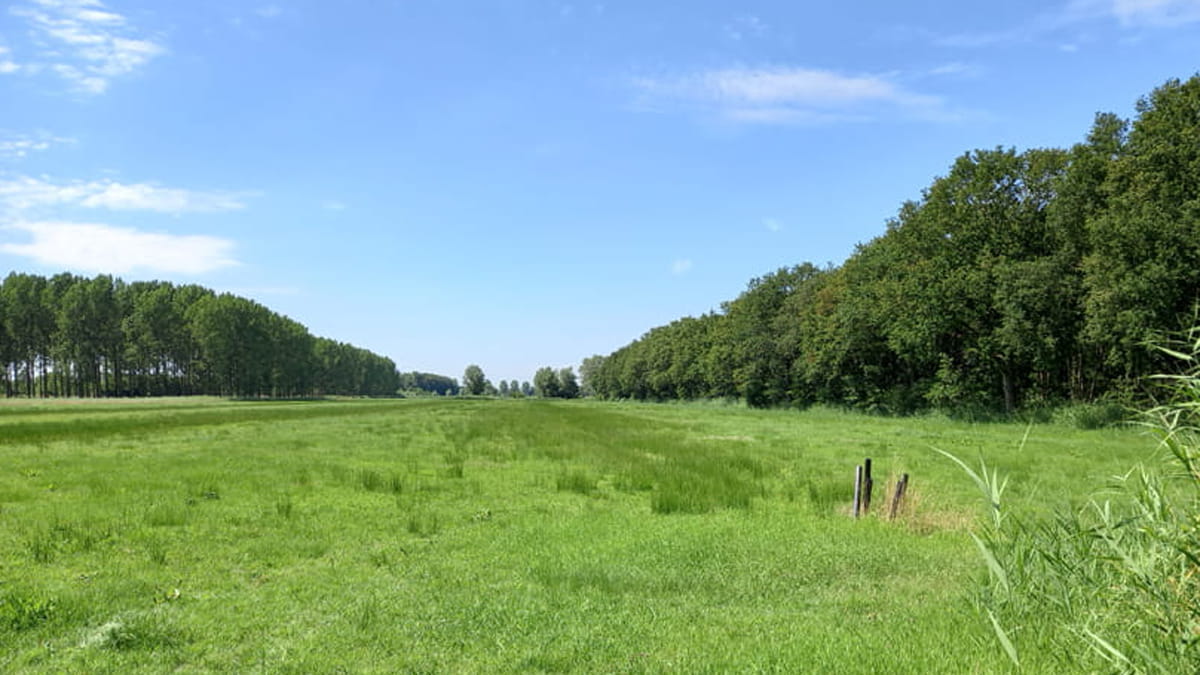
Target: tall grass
[(1113, 586)]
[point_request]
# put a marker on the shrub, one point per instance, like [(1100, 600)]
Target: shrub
[(1093, 415)]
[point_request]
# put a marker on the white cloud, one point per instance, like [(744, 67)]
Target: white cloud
[(269, 11), (772, 224), (25, 193), (790, 94), (1163, 13), (146, 197), (681, 267), (21, 145), (1067, 18), (84, 43), (118, 250), (956, 69), (7, 67), (333, 205)]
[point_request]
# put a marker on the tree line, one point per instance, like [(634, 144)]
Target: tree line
[(1017, 279), (73, 336), (547, 383)]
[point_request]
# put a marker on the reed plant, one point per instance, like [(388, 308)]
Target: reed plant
[(1115, 585)]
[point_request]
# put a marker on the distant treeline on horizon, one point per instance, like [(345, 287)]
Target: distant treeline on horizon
[(73, 336), (1018, 279)]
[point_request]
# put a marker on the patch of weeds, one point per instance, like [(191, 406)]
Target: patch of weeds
[(166, 515), (424, 523), (157, 552), (208, 489), (395, 483), (701, 494), (26, 611), (85, 536), (375, 481), (42, 546), (366, 614), (634, 479), (575, 480), (1092, 415), (340, 474), (302, 477), (455, 462), (370, 480), (385, 557), (312, 548), (596, 577), (45, 545), (142, 632), (823, 497), (284, 508)]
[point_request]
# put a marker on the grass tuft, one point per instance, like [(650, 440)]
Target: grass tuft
[(424, 523), (20, 611), (575, 480)]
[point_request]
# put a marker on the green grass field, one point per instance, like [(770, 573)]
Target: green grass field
[(498, 535)]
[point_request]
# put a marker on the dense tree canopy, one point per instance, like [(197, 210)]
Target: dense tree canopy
[(428, 383), (1017, 278), (474, 381), (73, 336)]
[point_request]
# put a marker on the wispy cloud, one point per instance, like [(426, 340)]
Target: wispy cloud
[(1128, 14), (84, 43), (772, 224), (956, 69), (24, 193), (681, 266), (7, 65), (19, 146), (333, 205), (789, 95), (103, 248), (1165, 13), (745, 27)]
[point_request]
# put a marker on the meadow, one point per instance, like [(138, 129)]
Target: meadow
[(458, 535)]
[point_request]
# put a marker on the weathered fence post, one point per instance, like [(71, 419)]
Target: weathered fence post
[(868, 483), (901, 488), (858, 485)]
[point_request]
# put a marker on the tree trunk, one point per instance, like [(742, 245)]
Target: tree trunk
[(1009, 396)]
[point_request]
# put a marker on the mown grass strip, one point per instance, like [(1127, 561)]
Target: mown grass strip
[(119, 422)]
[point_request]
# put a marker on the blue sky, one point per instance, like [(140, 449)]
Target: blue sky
[(518, 183)]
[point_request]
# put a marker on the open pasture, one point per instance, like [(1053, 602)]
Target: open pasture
[(503, 535)]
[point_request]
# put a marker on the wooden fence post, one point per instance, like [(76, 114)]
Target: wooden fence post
[(901, 488), (868, 483), (858, 485)]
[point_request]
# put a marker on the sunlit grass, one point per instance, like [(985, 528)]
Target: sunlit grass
[(485, 536)]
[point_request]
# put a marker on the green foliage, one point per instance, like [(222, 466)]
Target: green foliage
[(71, 336), (428, 383), (1093, 415), (1017, 280), (19, 611), (545, 383), (474, 382), (1114, 585)]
